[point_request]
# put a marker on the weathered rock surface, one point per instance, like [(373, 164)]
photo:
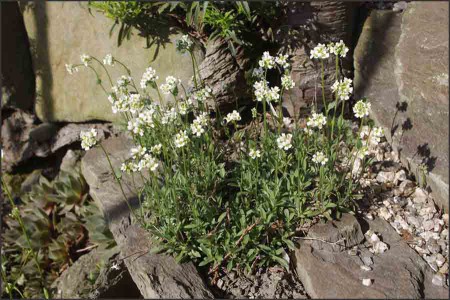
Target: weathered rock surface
[(91, 276), (18, 84), (397, 273), (23, 138), (225, 74), (405, 76), (60, 32), (324, 21), (156, 275)]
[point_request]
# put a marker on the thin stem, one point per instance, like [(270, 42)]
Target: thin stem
[(323, 88)]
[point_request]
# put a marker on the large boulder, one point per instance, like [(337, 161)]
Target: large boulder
[(156, 275), (401, 66), (59, 32), (18, 84)]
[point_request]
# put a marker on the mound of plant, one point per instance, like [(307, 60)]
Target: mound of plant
[(234, 191), (238, 22), (50, 227)]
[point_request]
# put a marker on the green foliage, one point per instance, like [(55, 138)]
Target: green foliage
[(224, 191), (59, 220), (239, 23)]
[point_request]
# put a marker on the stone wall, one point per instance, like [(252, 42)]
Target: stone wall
[(401, 66), (60, 31)]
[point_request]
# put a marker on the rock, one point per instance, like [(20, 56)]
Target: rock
[(399, 6), (445, 219), (70, 160), (30, 181), (420, 196), (444, 269), (77, 97), (84, 279), (407, 187), (400, 176), (367, 260), (366, 268), (440, 260), (398, 273), (384, 177), (379, 247), (384, 213), (156, 275), (344, 233), (428, 225), (367, 282), (438, 279), (406, 75), (225, 75), (43, 132), (18, 84)]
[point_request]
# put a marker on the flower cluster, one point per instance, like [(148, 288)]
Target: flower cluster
[(71, 68), (267, 61), (320, 52), (285, 141), (169, 115), (281, 60), (85, 59), (108, 60), (233, 116), (361, 109), (374, 135), (184, 44), (343, 88), (88, 139), (201, 95), (320, 158), (254, 153), (140, 160), (171, 85), (263, 92), (199, 124), (338, 49), (181, 139), (287, 82), (316, 120), (149, 77)]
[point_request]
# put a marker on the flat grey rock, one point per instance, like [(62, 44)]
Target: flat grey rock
[(397, 273)]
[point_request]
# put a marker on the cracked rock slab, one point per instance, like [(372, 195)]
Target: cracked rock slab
[(397, 273), (156, 275)]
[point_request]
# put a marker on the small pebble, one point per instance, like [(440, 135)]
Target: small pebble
[(428, 225), (438, 279), (367, 260), (366, 268), (367, 282)]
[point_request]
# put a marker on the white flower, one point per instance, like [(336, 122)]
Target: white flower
[(254, 113), (308, 131), (254, 153), (137, 152), (201, 95), (181, 139), (316, 120), (85, 59), (184, 44), (287, 122), (136, 126), (169, 116), (183, 107), (149, 77), (156, 149), (146, 117), (108, 60), (361, 109), (287, 82), (343, 88), (364, 133), (363, 152), (258, 72), (338, 49), (273, 94), (320, 158), (71, 69), (88, 139), (281, 60), (320, 52), (285, 141), (233, 116), (267, 61), (377, 134), (115, 266), (197, 128), (122, 82), (129, 167), (135, 103), (147, 162), (170, 87), (203, 118), (261, 90)]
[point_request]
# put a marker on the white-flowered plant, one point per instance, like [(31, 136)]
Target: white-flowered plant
[(88, 139), (71, 68), (285, 141), (224, 195), (338, 49), (108, 60), (320, 158), (85, 59), (361, 109), (320, 52)]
